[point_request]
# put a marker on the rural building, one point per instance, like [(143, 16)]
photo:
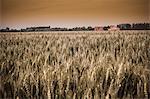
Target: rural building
[(98, 28), (113, 28)]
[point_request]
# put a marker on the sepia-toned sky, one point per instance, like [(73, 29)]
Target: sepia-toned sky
[(0, 12), (71, 13)]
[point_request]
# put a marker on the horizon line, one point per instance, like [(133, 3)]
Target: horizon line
[(51, 26)]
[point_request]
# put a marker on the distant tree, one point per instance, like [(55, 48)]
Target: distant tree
[(106, 28), (141, 26), (124, 26), (90, 28), (83, 28)]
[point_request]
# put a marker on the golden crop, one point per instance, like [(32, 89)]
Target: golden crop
[(75, 66)]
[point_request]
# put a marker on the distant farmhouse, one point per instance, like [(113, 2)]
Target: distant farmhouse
[(113, 28), (98, 28)]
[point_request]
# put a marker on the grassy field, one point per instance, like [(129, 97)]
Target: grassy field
[(108, 65)]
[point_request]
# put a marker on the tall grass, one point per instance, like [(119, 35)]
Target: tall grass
[(49, 66)]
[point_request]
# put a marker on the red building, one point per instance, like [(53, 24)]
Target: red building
[(97, 28), (113, 28)]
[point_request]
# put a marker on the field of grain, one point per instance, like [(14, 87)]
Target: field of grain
[(75, 65)]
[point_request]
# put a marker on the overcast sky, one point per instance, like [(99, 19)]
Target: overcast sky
[(71, 13)]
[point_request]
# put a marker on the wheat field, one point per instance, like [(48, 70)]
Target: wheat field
[(109, 65)]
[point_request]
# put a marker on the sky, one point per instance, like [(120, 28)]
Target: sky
[(0, 12), (72, 13)]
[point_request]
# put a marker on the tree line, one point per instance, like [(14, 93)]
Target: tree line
[(134, 26)]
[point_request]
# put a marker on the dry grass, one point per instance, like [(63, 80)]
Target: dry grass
[(87, 66)]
